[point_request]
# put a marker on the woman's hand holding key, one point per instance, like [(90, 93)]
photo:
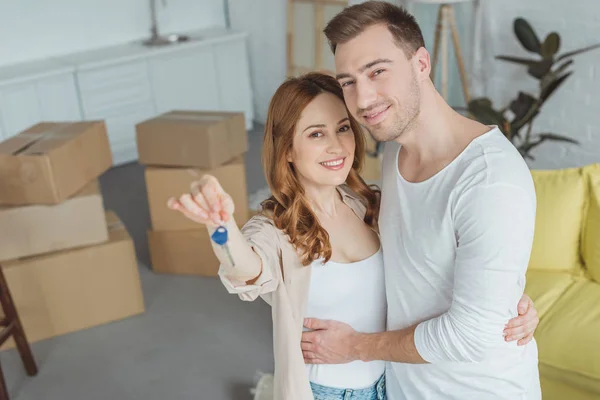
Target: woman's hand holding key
[(207, 203)]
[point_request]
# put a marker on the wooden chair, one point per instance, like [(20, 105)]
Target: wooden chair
[(11, 326)]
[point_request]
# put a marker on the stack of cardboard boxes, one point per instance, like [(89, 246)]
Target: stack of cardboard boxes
[(69, 263), (371, 171), (177, 148)]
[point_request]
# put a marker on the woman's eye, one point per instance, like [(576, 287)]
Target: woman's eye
[(377, 72), (345, 128), (315, 134)]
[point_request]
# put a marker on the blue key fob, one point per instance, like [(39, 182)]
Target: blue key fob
[(220, 236)]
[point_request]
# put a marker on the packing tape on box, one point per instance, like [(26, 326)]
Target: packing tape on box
[(193, 117), (56, 132)]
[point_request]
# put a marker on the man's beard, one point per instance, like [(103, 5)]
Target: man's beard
[(400, 125), (403, 121)]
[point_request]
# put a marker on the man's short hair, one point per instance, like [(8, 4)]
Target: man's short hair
[(352, 21)]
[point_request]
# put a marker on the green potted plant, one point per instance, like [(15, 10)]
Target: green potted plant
[(550, 69)]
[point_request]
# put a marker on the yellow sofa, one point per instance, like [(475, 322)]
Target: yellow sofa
[(563, 280)]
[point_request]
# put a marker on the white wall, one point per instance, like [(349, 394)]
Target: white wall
[(572, 110), (32, 29), (266, 23)]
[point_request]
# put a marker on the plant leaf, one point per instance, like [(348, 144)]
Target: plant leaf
[(518, 124), (517, 60), (481, 101), (526, 35), (551, 88), (522, 105), (541, 68), (551, 45), (553, 75), (557, 138), (483, 112), (561, 68), (579, 51)]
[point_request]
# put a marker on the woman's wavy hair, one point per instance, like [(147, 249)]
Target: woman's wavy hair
[(288, 205)]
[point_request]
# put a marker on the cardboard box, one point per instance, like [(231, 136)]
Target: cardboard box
[(202, 139), (186, 252), (371, 171), (36, 229), (163, 183), (70, 290), (50, 162)]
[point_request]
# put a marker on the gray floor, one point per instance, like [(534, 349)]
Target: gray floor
[(194, 341)]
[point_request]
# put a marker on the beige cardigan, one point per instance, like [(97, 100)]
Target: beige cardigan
[(281, 264)]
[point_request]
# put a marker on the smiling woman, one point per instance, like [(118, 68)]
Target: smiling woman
[(316, 144), (314, 241)]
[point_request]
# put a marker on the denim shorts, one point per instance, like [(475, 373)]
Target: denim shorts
[(375, 392)]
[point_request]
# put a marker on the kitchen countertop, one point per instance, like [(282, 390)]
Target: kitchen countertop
[(30, 70), (105, 56)]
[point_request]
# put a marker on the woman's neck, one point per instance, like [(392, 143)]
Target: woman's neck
[(324, 200)]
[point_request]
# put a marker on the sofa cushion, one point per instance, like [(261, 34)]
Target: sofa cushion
[(590, 244), (560, 203), (568, 335), (554, 386), (546, 287)]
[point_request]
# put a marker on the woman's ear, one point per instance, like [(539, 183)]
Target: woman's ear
[(288, 156)]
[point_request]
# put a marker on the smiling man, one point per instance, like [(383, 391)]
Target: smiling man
[(457, 220)]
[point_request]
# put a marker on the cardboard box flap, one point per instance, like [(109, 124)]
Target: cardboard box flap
[(43, 137), (39, 139), (199, 119), (202, 117), (50, 162), (203, 139)]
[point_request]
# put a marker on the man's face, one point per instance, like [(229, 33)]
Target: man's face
[(380, 84)]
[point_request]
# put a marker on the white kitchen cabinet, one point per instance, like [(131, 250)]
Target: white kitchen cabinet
[(185, 80), (126, 84), (36, 91), (121, 96), (58, 98), (121, 130), (233, 77), (19, 107), (32, 99)]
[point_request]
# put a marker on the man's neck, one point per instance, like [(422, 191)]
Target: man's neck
[(438, 136), (438, 132)]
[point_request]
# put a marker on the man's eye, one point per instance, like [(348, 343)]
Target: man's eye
[(347, 83)]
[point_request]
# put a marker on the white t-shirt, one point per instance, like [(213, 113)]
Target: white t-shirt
[(353, 293), (456, 248)]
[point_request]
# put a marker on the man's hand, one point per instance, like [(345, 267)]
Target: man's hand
[(329, 342), (522, 328)]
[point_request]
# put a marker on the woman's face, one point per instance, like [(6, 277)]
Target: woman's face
[(323, 147)]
